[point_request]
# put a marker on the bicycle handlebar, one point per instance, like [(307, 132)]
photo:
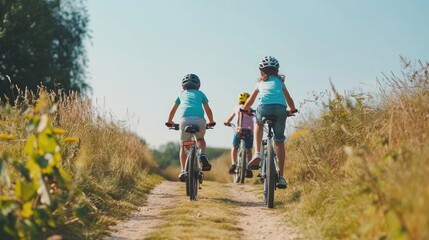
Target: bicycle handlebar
[(291, 113), (175, 126)]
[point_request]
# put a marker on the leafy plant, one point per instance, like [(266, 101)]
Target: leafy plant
[(35, 190)]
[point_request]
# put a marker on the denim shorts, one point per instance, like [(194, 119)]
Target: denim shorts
[(277, 110), (248, 140)]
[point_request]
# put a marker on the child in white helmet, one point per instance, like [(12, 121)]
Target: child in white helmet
[(244, 126), (274, 98), (193, 103)]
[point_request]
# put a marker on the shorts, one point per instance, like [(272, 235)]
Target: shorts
[(199, 121), (248, 140), (277, 110)]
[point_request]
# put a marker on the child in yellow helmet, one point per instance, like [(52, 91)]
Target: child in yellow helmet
[(245, 126)]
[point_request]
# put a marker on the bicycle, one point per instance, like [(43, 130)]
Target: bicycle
[(269, 163), (242, 156), (193, 163), (242, 153)]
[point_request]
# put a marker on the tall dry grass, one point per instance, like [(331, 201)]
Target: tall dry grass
[(361, 170), (110, 166)]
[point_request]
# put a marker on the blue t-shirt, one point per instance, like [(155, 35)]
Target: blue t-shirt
[(271, 91), (191, 103)]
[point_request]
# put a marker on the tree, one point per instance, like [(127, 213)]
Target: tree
[(168, 154), (42, 42)]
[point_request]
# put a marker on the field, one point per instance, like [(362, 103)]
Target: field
[(357, 170)]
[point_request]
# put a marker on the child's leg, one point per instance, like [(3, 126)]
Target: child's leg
[(258, 132), (204, 160), (234, 155), (249, 153), (182, 156), (280, 152), (256, 158), (202, 144), (249, 145)]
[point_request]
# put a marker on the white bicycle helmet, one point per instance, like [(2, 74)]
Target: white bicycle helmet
[(191, 81), (268, 61)]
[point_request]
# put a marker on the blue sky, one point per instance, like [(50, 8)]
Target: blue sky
[(140, 50)]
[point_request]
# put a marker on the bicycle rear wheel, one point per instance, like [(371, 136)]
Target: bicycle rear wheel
[(271, 176), (192, 180), (188, 159)]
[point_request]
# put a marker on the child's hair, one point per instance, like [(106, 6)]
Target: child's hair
[(267, 72), (191, 87)]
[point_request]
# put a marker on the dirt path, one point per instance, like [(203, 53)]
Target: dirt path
[(147, 218), (258, 222)]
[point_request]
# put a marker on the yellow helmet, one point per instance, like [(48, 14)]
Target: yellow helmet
[(243, 97)]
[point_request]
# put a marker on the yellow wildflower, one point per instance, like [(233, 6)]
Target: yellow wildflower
[(59, 131), (71, 139), (7, 136)]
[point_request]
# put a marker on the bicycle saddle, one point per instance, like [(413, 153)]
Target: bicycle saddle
[(269, 118), (192, 129)]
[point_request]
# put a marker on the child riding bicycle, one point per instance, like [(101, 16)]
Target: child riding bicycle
[(244, 126), (273, 101), (193, 103)]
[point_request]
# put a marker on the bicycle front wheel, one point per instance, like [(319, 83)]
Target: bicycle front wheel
[(243, 163), (271, 176), (237, 169)]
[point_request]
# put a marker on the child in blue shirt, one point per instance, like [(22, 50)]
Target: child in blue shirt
[(273, 98), (192, 103)]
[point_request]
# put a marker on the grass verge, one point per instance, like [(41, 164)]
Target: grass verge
[(361, 170)]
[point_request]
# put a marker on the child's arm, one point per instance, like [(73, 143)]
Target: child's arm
[(208, 112), (228, 121), (250, 100), (289, 100), (172, 113)]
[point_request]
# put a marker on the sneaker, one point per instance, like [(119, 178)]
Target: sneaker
[(254, 163), (249, 173), (205, 161), (232, 169), (182, 176), (282, 183)]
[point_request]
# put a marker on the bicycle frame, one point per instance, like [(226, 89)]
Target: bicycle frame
[(269, 166), (193, 163), (270, 170), (242, 156)]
